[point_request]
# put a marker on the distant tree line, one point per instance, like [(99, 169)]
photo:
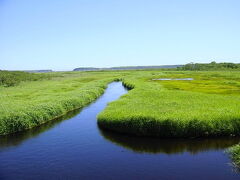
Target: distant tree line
[(211, 66), (12, 78)]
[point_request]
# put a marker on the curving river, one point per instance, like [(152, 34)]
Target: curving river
[(73, 147)]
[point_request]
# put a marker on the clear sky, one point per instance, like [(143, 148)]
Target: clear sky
[(65, 34)]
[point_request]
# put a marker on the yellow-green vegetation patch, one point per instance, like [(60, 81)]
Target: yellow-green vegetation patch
[(152, 109), (207, 82)]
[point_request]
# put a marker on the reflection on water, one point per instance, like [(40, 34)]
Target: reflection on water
[(168, 146), (17, 138)]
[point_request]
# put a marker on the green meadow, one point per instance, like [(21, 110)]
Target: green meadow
[(206, 106), (31, 102), (13, 78)]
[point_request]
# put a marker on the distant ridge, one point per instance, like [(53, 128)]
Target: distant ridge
[(127, 68), (86, 69), (39, 71)]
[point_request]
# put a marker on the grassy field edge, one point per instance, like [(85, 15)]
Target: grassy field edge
[(42, 113), (126, 116)]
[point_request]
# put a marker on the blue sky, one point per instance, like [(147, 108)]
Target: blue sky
[(65, 34)]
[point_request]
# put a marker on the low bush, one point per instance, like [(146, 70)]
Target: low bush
[(12, 78)]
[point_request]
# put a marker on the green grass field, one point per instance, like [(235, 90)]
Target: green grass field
[(13, 78), (207, 106), (33, 102)]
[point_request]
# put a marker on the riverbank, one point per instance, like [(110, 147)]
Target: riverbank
[(234, 153), (33, 103), (207, 106)]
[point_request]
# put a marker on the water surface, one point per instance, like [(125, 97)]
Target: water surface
[(73, 147)]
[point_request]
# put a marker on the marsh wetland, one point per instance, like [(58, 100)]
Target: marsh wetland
[(121, 125), (74, 147)]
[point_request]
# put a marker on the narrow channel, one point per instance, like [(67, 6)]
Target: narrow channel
[(73, 147)]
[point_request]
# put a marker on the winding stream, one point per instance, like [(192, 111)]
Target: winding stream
[(73, 147)]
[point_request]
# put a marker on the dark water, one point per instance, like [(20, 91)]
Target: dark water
[(73, 147)]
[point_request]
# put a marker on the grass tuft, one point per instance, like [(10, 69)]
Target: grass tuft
[(234, 153)]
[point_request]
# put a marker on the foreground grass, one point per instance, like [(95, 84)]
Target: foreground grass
[(234, 153), (206, 106), (177, 108), (35, 102)]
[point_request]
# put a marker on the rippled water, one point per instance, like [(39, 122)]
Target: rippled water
[(73, 147)]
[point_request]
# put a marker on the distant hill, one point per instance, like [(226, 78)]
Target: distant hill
[(86, 69), (39, 71), (127, 68)]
